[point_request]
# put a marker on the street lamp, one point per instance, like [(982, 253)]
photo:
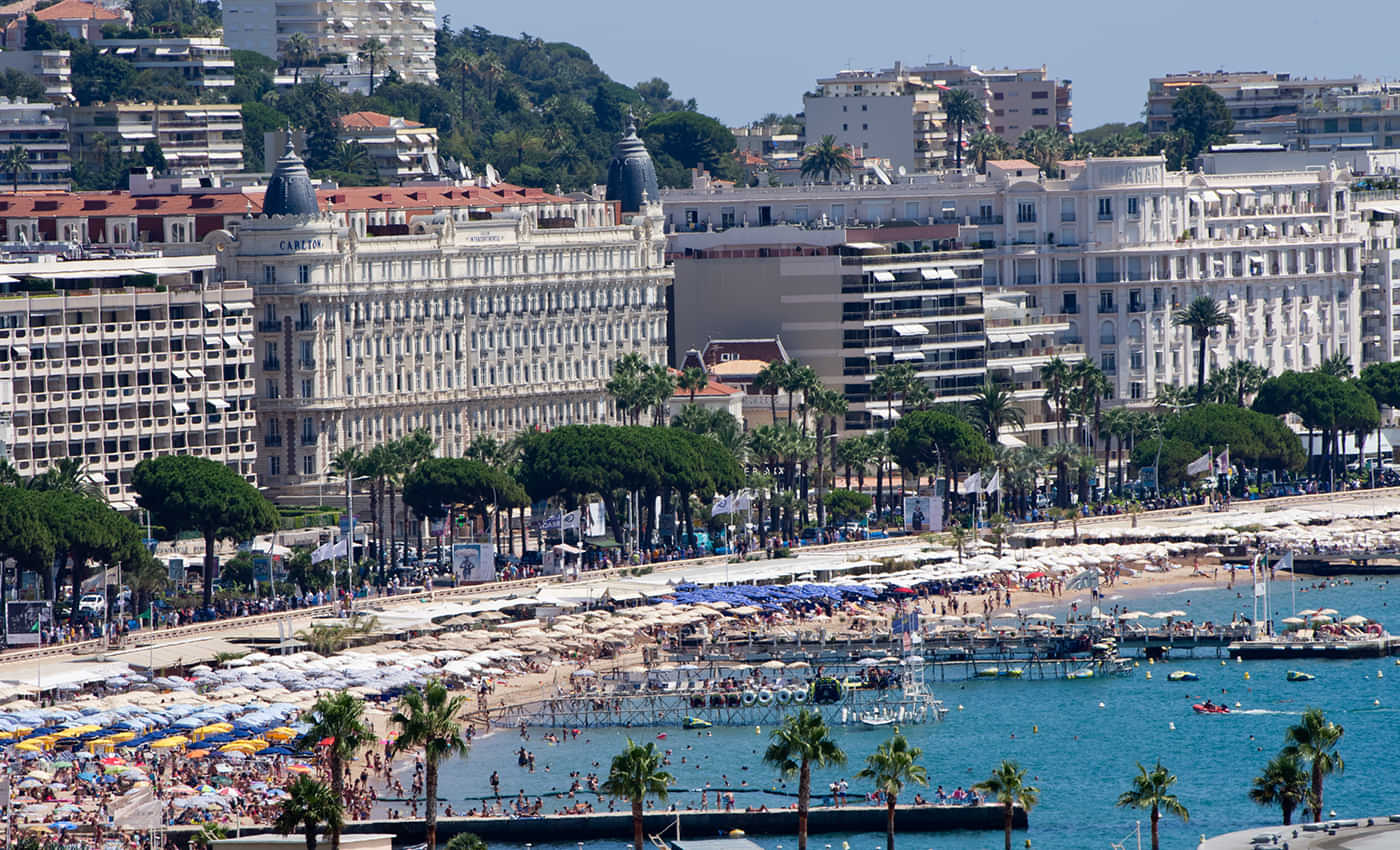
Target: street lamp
[(349, 537)]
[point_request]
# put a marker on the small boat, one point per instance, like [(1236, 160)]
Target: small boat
[(876, 719), (997, 673), (1210, 709), (1182, 676), (1300, 676), (696, 723), (1081, 673)]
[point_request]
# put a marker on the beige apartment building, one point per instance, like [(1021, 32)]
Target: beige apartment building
[(124, 356), (1015, 99), (206, 138), (894, 114), (1251, 96)]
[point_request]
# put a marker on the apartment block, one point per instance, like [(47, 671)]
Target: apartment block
[(203, 138), (113, 356), (1251, 96), (1112, 250), (1347, 119), (204, 63), (896, 114), (406, 27), (1015, 99), (53, 69), (44, 135)]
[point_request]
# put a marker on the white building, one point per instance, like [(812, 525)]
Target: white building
[(406, 27), (1114, 248), (44, 134), (1015, 99), (376, 320), (53, 68), (402, 151), (194, 137), (896, 114), (204, 63), (106, 366)]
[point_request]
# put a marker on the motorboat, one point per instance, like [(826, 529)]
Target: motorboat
[(1211, 708), (1299, 676), (874, 719), (1182, 676), (998, 673), (696, 723)]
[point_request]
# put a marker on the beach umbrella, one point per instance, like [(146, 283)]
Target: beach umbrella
[(1331, 612), (301, 768), (1044, 618), (63, 825), (1293, 621), (1321, 618), (1355, 620)]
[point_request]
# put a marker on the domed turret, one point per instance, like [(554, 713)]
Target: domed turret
[(289, 191), (631, 174)]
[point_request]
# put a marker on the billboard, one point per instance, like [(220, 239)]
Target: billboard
[(923, 513), (474, 562), (24, 621)]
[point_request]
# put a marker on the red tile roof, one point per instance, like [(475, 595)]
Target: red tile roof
[(73, 10), (712, 389), (1012, 164), (366, 120)]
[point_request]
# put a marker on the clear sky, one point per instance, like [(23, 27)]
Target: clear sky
[(741, 60)]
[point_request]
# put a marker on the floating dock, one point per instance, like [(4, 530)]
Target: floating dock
[(1377, 647)]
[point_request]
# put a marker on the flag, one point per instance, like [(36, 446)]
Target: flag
[(994, 485), (1199, 465), (722, 505), (551, 522), (1222, 462), (743, 501), (971, 484), (326, 552), (569, 520), (595, 525), (1286, 562)]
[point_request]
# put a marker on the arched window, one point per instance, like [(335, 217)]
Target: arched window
[(1107, 334)]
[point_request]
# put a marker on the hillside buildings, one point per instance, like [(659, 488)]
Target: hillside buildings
[(203, 63), (1015, 99), (1098, 260), (53, 69), (1251, 96), (895, 113), (406, 27), (39, 130), (207, 138)]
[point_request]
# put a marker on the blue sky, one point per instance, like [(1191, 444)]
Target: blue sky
[(742, 60)]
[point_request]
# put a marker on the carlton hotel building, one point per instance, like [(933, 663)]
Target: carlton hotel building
[(305, 322)]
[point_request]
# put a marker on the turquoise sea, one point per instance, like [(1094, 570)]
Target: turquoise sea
[(1080, 739)]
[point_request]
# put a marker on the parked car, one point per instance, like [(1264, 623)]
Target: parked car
[(93, 604)]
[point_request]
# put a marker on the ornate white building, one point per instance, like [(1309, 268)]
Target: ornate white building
[(476, 320)]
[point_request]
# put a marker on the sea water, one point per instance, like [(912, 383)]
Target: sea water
[(1080, 740)]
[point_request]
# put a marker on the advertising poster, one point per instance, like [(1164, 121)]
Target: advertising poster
[(923, 513), (24, 620), (474, 562)]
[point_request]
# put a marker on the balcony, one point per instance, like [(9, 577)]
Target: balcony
[(1107, 308), (986, 220), (272, 440), (271, 364), (269, 326), (308, 363), (305, 325)]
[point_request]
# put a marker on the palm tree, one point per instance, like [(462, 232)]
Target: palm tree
[(373, 51), (635, 773), (1114, 426), (1152, 790), (802, 742), (692, 379), (427, 718), (826, 403), (68, 475), (1042, 147), (16, 164), (338, 719), (893, 765), (1008, 785), (995, 407), (1237, 383), (767, 382), (1338, 364), (1314, 741), (658, 385), (985, 146), (1203, 315), (961, 107), (296, 50), (308, 805), (959, 536), (463, 62), (1055, 375), (892, 380), (1284, 783), (490, 72), (825, 157), (352, 157), (626, 387)]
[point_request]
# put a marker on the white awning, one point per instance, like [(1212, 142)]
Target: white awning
[(239, 305), (180, 406), (908, 355), (1210, 197), (1257, 258), (1010, 441), (245, 339), (1305, 228), (232, 341), (947, 274), (1270, 230), (217, 403), (910, 330), (181, 374), (1245, 193), (1226, 193), (1020, 337), (21, 350), (930, 274), (212, 307), (883, 277), (1217, 262)]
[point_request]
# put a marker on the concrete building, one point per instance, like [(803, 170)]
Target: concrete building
[(1249, 95), (36, 128), (53, 69), (1347, 119), (1110, 251), (406, 27), (75, 18), (1016, 99), (204, 138), (203, 63), (114, 356), (402, 150), (895, 113)]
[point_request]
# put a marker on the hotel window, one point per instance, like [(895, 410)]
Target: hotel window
[(1109, 363), (308, 464), (274, 466), (726, 217), (303, 274), (1067, 209), (1105, 209), (269, 274), (1132, 207), (1025, 212)]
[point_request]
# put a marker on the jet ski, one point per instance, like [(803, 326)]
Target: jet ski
[(1211, 708)]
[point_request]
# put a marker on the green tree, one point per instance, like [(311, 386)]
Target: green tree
[(985, 146), (1382, 382), (427, 717), (847, 505), (893, 765), (828, 405), (1044, 147), (962, 108), (1337, 364), (635, 774), (466, 841), (1007, 785), (1055, 376), (825, 157), (1313, 740), (16, 164), (680, 141), (188, 493), (802, 742), (338, 719), (692, 379), (373, 51), (925, 438), (17, 84), (153, 157), (1236, 383), (1203, 315), (1203, 116), (308, 805), (1284, 783), (24, 534), (296, 51), (994, 405), (1152, 790)]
